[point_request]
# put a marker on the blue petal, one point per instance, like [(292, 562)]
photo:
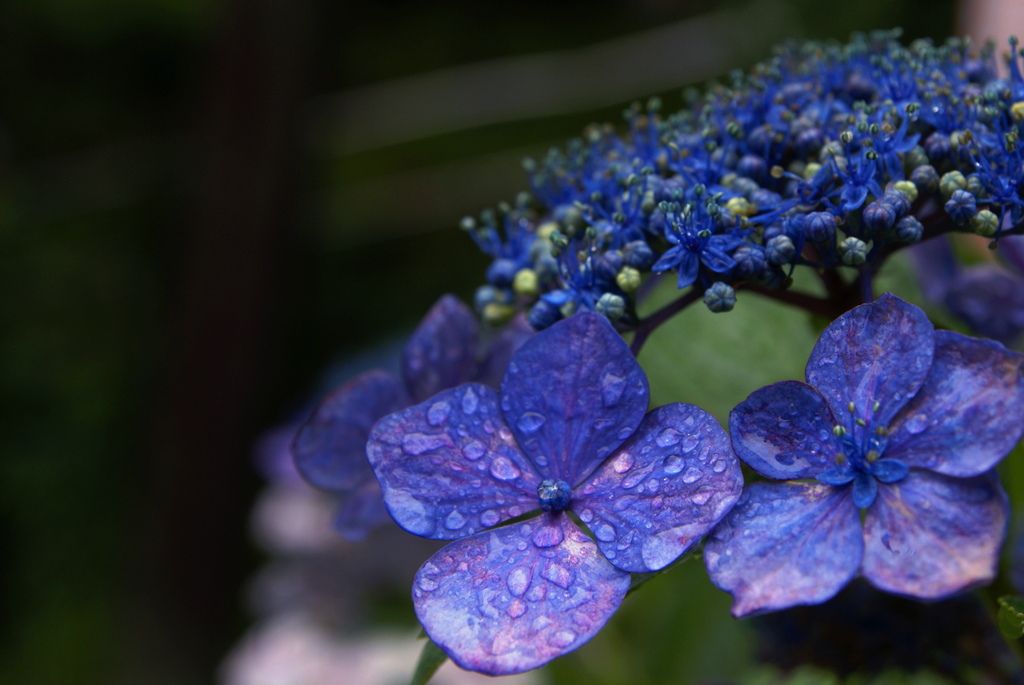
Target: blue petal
[(509, 339), (498, 604), (330, 448), (689, 265), (878, 352), (573, 393), (450, 467), (889, 470), (990, 300), (784, 431), (967, 416), (930, 536), (442, 351), (784, 545), (865, 489), (663, 490), (837, 476), (361, 512)]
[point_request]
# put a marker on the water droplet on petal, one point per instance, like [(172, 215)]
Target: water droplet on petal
[(563, 638), (427, 584), (668, 437), (604, 532), (519, 580), (541, 460), (719, 465), (653, 485), (612, 387), (530, 422), (489, 517), (690, 443), (473, 450), (503, 469), (548, 536), (702, 496), (917, 423), (516, 609), (506, 403), (623, 462), (455, 520), (469, 401), (624, 432), (586, 516), (438, 413), (674, 464), (559, 575), (692, 475), (537, 593), (632, 479), (415, 444)]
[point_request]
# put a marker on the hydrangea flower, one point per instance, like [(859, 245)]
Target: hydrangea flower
[(330, 448), (897, 421), (569, 431)]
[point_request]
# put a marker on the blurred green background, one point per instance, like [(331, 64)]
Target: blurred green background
[(204, 203)]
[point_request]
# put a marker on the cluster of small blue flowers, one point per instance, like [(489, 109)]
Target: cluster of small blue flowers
[(827, 155)]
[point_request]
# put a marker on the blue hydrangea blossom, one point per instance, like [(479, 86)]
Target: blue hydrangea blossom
[(569, 431), (330, 448), (897, 421)]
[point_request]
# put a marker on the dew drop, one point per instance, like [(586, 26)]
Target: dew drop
[(530, 422), (674, 464), (438, 413), (653, 485), (503, 469), (455, 520), (537, 593), (473, 450), (415, 444), (541, 460), (633, 479), (559, 575), (624, 432), (586, 516), (623, 462), (668, 437), (489, 517), (548, 536), (563, 638), (519, 580), (612, 387), (702, 496), (469, 401), (427, 584), (917, 423), (516, 609), (690, 443), (692, 475), (604, 532), (506, 401), (718, 466)]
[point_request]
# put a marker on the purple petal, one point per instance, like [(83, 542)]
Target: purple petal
[(990, 300), (499, 604), (785, 544), (442, 351), (967, 416), (878, 352), (930, 536), (450, 467), (330, 448), (865, 489), (361, 512), (573, 393), (666, 487), (784, 431), (509, 339)]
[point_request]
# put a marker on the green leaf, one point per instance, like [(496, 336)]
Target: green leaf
[(431, 659), (1011, 616)]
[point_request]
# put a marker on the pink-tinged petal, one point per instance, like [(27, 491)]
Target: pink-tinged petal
[(784, 431), (572, 394), (450, 467), (785, 544), (509, 339), (514, 598), (361, 512), (442, 351), (330, 448), (662, 491), (878, 352), (930, 536), (969, 413)]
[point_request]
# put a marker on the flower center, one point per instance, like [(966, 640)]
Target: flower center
[(554, 495)]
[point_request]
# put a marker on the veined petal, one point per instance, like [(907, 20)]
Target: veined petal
[(663, 490), (499, 604), (784, 431), (929, 535), (968, 414), (785, 544), (878, 352), (450, 467), (330, 448), (442, 351), (572, 394)]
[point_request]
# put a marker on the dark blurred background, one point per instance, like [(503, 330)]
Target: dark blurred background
[(202, 204)]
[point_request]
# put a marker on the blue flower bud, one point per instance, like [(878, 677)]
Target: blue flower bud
[(780, 250), (820, 227), (926, 179), (638, 255), (909, 229), (879, 216), (750, 260), (961, 206), (938, 147), (853, 251), (543, 315), (501, 273), (754, 167), (899, 201), (720, 297)]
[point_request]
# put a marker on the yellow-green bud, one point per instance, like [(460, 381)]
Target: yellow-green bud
[(496, 314), (985, 223), (1017, 110), (951, 182), (545, 229), (907, 188), (811, 169), (525, 282), (740, 206), (628, 279)]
